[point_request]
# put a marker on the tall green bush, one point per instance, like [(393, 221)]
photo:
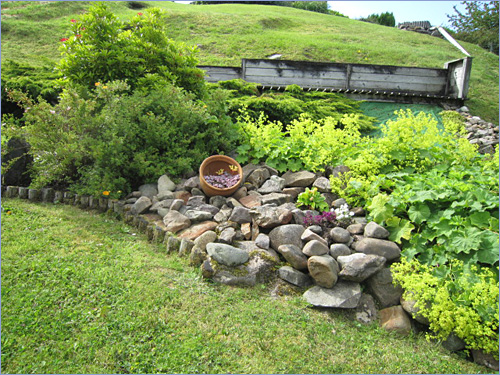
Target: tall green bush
[(103, 48), (112, 139)]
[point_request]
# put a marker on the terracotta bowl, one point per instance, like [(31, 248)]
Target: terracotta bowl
[(213, 164)]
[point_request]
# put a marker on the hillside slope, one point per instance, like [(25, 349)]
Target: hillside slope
[(226, 33)]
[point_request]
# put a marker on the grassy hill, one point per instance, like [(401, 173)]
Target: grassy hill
[(226, 33)]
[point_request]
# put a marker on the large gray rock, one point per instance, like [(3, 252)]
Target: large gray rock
[(275, 184), (315, 247), (301, 178), (387, 249), (294, 256), (241, 215), (358, 267), (374, 230), (383, 289), (345, 294), (175, 221), (286, 234), (227, 255), (141, 205), (165, 184), (269, 216), (294, 276), (324, 270)]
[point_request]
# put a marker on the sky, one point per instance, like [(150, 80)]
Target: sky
[(404, 11)]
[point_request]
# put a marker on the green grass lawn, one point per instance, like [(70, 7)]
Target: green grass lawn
[(84, 293), (226, 33)]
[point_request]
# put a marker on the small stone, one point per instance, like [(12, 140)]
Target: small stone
[(315, 247), (258, 176), (374, 230), (337, 203), (262, 241), (356, 228), (366, 311), (197, 230), (148, 190), (387, 249), (274, 184), (227, 235), (165, 184), (275, 198), (246, 230), (344, 294), (323, 270), (309, 235), (175, 221), (340, 235), (395, 319), (269, 216), (250, 201), (294, 256), (339, 249), (240, 193), (241, 215), (141, 205), (176, 204), (197, 216), (300, 179), (322, 184), (294, 276), (382, 288), (286, 234), (217, 201), (358, 267)]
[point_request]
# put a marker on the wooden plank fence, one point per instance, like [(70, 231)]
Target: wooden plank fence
[(451, 82)]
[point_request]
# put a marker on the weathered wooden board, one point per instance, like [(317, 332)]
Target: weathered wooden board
[(451, 81)]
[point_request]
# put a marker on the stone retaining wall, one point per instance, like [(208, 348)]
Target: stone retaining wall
[(258, 235)]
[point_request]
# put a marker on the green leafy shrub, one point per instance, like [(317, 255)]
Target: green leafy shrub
[(284, 107), (305, 144), (111, 140), (412, 143), (103, 48), (464, 303), (34, 81)]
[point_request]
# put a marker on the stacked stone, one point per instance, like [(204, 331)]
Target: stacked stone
[(241, 239), (480, 132)]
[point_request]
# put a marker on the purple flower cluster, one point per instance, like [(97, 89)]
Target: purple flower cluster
[(325, 219), (222, 181)]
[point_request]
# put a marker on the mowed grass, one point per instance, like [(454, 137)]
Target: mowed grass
[(84, 293), (226, 33)]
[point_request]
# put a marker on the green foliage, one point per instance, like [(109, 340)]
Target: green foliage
[(305, 144), (462, 300), (385, 19), (292, 104), (103, 48), (34, 81), (411, 143), (312, 199), (479, 24), (111, 140)]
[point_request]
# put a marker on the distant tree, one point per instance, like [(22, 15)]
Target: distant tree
[(478, 25), (385, 19)]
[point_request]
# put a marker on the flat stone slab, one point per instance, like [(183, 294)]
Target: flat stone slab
[(226, 254), (344, 294)]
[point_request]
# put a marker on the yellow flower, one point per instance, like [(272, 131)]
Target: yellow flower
[(104, 87), (106, 193), (9, 212), (97, 83)]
